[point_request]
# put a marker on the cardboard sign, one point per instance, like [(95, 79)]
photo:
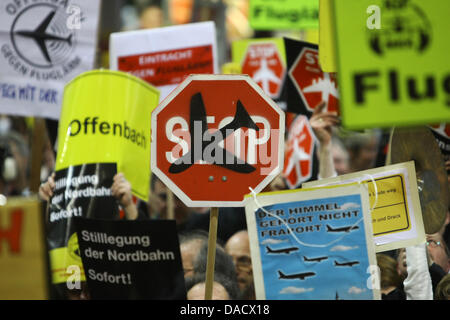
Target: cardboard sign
[(215, 136), (300, 163), (394, 200), (22, 250), (106, 119), (327, 43), (307, 85), (43, 45), (164, 57), (393, 62), (264, 60), (312, 244), (81, 191), (284, 14), (104, 129), (131, 259)]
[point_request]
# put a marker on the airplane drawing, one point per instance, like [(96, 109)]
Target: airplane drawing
[(318, 259), (198, 117), (265, 75), (300, 276), (40, 36), (345, 264), (298, 155), (284, 250), (323, 85), (343, 229)]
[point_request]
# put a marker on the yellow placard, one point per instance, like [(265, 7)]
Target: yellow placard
[(390, 212), (231, 68), (394, 203), (327, 45), (66, 262), (105, 118), (22, 250)]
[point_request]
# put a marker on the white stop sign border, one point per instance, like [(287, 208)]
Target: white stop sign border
[(177, 190)]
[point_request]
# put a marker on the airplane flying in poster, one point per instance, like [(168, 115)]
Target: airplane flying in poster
[(300, 276)]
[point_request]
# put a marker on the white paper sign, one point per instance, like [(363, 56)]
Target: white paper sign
[(43, 45), (164, 57), (313, 244), (395, 205)]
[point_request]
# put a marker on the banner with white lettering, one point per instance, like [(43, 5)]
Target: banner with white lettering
[(164, 57), (43, 45), (131, 259), (313, 244), (81, 191), (104, 129)]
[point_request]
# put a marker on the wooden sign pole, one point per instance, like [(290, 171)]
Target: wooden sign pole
[(211, 259), (170, 205)]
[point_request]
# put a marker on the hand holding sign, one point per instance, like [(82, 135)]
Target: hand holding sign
[(322, 123), (46, 189), (121, 190)]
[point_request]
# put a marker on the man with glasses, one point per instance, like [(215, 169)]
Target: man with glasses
[(438, 251), (238, 247)]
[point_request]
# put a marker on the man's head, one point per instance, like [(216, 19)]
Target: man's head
[(151, 17), (238, 247), (158, 202), (340, 156), (224, 288), (190, 245), (197, 292), (363, 150)]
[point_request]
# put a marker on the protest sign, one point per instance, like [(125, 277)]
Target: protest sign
[(327, 44), (396, 216), (104, 129), (284, 14), (164, 57), (307, 85), (81, 191), (207, 169), (312, 244), (393, 65), (43, 45), (231, 68), (264, 60), (300, 160), (104, 119), (202, 152), (23, 268), (131, 259)]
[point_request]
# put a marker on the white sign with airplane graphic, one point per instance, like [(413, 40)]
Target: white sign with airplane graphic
[(43, 45), (313, 244)]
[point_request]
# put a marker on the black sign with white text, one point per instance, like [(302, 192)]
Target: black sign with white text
[(131, 259)]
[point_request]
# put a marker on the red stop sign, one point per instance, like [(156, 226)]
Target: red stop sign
[(216, 136), (263, 63), (298, 161), (314, 85)]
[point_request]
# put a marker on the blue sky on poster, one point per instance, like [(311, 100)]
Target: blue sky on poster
[(348, 282)]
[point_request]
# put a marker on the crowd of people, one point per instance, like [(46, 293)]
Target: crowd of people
[(407, 273), (233, 278)]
